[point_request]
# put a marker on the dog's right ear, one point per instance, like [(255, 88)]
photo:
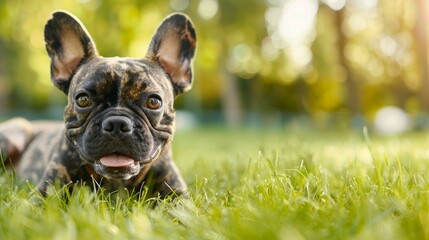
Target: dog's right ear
[(68, 45), (173, 48)]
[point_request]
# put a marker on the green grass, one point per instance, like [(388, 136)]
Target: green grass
[(252, 184)]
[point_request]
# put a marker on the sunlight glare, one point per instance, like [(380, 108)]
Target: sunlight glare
[(298, 19), (301, 55), (388, 46), (335, 4), (242, 53), (367, 4), (208, 8), (268, 50)]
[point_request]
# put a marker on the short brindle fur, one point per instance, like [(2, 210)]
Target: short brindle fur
[(119, 120)]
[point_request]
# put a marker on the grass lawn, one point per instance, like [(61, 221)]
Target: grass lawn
[(253, 184)]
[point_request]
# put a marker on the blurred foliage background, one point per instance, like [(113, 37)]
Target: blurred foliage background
[(259, 62)]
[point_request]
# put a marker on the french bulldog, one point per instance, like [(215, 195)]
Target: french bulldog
[(119, 120)]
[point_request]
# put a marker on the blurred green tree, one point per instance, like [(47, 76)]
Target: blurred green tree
[(257, 57)]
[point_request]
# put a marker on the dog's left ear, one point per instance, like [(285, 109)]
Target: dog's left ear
[(173, 48)]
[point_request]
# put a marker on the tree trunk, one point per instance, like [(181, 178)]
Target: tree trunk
[(353, 103), (422, 51), (232, 107), (3, 83)]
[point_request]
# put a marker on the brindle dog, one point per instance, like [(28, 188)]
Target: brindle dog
[(119, 119)]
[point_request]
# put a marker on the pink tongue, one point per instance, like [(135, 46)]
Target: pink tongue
[(116, 161)]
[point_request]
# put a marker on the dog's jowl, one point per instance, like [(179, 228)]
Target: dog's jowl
[(119, 119)]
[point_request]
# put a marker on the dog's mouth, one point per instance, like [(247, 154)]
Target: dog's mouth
[(120, 167), (116, 161), (117, 167)]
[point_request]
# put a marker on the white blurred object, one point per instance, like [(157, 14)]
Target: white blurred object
[(391, 120), (185, 120)]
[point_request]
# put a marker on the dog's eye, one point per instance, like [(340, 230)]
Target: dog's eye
[(153, 102), (83, 100)]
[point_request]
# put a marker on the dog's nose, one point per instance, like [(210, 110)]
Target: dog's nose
[(117, 125)]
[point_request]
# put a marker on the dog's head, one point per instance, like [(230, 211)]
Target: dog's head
[(120, 114)]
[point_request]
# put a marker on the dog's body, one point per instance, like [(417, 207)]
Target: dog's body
[(119, 119)]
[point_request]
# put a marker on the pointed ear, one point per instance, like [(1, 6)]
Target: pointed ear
[(173, 48), (68, 44)]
